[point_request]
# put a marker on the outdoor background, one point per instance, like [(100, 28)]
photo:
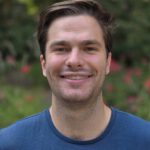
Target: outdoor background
[(23, 89)]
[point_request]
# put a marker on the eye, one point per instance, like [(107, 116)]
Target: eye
[(61, 49), (90, 49)]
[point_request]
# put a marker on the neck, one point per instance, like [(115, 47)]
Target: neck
[(80, 123)]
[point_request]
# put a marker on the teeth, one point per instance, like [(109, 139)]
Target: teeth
[(76, 77)]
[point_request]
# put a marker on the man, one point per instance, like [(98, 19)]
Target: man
[(75, 42)]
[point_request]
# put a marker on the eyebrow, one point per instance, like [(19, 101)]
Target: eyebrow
[(91, 42), (84, 42), (56, 43)]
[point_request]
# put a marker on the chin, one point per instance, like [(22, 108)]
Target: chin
[(83, 95), (76, 97)]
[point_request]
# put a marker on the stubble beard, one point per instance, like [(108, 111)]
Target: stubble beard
[(76, 100)]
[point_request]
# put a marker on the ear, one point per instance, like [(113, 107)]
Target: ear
[(108, 63), (43, 65)]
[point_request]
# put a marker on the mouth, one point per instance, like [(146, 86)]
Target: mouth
[(76, 77)]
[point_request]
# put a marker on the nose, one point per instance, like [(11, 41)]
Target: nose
[(74, 60)]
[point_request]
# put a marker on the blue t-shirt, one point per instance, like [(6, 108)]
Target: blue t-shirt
[(37, 132)]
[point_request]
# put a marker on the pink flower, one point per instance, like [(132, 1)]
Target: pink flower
[(115, 67), (29, 98), (131, 99), (147, 84), (109, 87), (127, 78), (137, 72), (25, 69)]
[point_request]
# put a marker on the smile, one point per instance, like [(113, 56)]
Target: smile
[(76, 77)]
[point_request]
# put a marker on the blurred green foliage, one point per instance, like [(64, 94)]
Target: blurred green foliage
[(17, 102), (17, 29), (132, 29), (19, 22), (24, 91)]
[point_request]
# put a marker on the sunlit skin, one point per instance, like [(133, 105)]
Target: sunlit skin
[(75, 65), (76, 61)]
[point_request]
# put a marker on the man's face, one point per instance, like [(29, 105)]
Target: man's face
[(75, 61)]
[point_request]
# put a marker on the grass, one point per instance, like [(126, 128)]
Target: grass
[(17, 102)]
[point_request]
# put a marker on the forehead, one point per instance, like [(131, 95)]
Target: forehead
[(81, 27)]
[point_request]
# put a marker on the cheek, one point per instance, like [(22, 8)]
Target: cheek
[(53, 65), (97, 63)]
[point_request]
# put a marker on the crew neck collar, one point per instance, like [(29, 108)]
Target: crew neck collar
[(69, 140)]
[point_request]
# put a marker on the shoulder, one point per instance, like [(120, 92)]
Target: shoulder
[(132, 125), (19, 130), (131, 119)]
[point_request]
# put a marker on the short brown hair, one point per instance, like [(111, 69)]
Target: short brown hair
[(74, 8)]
